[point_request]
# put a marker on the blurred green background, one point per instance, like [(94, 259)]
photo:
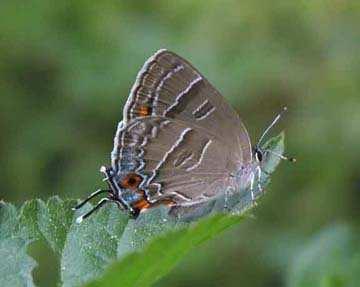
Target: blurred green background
[(66, 68)]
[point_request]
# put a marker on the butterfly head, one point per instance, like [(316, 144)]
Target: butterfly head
[(259, 152)]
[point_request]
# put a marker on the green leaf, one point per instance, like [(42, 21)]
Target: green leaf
[(8, 220), (35, 220), (15, 265), (147, 226), (91, 246), (162, 254), (28, 219), (54, 219)]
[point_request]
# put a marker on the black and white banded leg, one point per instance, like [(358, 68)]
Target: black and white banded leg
[(252, 180), (258, 169), (91, 196), (256, 175), (96, 207)]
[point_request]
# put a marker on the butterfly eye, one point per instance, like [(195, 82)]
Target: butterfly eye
[(131, 181), (259, 155)]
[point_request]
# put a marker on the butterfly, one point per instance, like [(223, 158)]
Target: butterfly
[(179, 143)]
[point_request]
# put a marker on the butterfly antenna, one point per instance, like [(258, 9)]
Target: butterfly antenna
[(291, 159), (96, 207), (276, 119)]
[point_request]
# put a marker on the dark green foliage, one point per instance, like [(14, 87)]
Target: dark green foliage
[(330, 258)]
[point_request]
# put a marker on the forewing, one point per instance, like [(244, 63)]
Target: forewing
[(169, 86), (175, 158)]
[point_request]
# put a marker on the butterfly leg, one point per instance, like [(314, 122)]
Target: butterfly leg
[(252, 180), (99, 205), (258, 169), (95, 193)]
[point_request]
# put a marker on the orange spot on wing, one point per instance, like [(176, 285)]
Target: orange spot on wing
[(131, 181), (144, 111), (141, 204)]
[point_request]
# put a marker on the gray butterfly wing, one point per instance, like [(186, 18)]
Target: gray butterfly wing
[(175, 159), (169, 86)]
